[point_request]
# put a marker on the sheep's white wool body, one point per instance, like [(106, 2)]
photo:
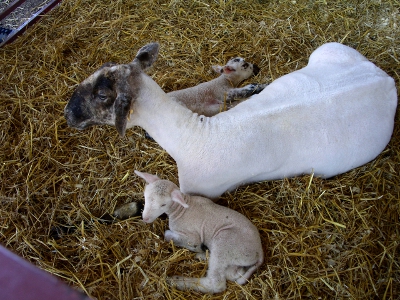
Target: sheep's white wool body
[(335, 114)]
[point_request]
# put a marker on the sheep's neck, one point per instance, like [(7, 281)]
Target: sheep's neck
[(172, 125)]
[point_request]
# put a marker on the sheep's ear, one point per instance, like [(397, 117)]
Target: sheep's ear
[(177, 196), (218, 69), (150, 178), (147, 55), (122, 110)]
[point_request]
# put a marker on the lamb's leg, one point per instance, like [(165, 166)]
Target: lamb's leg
[(191, 243), (243, 273), (214, 282), (245, 92)]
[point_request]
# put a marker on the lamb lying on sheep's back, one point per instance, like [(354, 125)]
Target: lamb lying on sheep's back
[(197, 223), (211, 97), (333, 115)]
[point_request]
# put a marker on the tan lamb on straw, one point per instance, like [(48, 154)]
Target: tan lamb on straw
[(197, 223)]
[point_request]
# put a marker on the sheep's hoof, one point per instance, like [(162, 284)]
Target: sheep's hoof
[(128, 210), (202, 256)]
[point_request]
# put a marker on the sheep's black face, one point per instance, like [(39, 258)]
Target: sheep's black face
[(92, 102), (106, 97)]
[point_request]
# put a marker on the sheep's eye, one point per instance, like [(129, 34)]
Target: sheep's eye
[(102, 95), (236, 59), (163, 205)]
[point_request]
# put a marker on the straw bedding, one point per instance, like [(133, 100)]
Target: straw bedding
[(323, 239)]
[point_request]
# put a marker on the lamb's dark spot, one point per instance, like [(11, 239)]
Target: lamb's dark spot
[(201, 119), (245, 65), (256, 69)]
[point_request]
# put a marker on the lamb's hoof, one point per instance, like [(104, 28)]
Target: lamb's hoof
[(257, 88)]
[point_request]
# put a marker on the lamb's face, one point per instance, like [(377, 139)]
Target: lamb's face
[(157, 200), (240, 68)]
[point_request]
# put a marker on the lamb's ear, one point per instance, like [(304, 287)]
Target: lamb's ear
[(147, 55), (177, 196), (218, 69), (150, 178), (122, 110)]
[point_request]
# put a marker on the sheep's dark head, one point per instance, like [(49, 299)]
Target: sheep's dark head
[(107, 96)]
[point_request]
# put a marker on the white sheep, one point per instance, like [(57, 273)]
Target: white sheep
[(197, 223), (335, 114), (211, 97)]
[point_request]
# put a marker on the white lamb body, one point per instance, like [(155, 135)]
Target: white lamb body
[(195, 223), (335, 114)]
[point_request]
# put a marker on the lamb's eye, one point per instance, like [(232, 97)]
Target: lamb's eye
[(163, 205), (236, 59)]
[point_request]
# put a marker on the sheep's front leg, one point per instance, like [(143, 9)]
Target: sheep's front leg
[(192, 243), (245, 92)]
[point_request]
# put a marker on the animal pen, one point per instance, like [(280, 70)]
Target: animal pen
[(334, 238)]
